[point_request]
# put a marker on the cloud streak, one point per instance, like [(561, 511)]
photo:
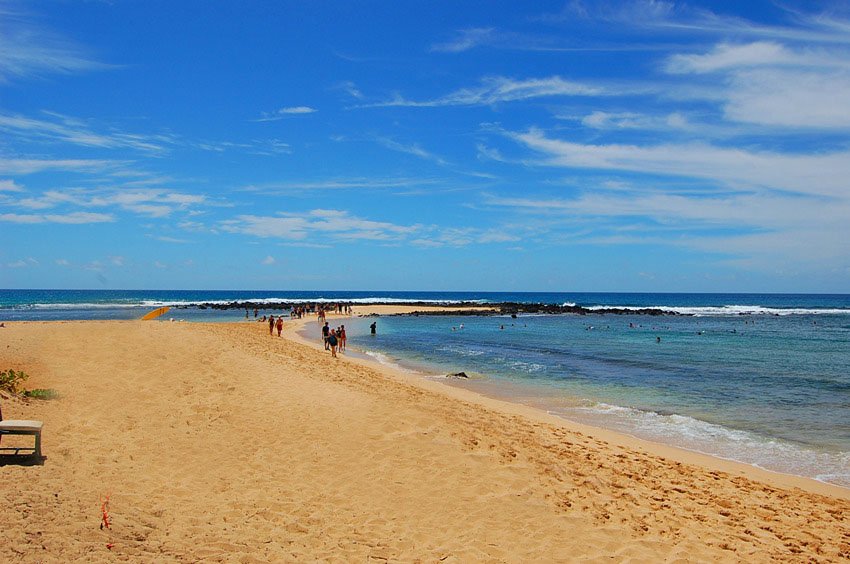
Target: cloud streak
[(334, 224), (75, 131), (499, 89), (822, 174), (28, 51), (286, 112), (74, 218), (148, 202)]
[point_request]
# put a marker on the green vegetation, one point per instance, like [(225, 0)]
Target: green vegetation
[(41, 393), (11, 381)]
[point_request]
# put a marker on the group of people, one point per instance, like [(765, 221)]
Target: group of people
[(341, 309), (333, 338), (275, 324), (299, 311)]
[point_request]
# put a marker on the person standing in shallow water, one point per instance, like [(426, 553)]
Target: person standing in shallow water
[(332, 342), (374, 327)]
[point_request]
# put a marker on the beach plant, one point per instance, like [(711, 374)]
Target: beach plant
[(11, 380), (42, 393)]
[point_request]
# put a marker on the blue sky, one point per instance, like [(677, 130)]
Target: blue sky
[(548, 146)]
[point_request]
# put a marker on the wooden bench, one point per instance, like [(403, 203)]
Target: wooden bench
[(21, 427)]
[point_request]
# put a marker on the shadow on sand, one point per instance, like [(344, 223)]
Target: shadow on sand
[(21, 459)]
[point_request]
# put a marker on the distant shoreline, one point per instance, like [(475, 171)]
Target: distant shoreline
[(452, 308)]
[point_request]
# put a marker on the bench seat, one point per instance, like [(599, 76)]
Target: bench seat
[(23, 427)]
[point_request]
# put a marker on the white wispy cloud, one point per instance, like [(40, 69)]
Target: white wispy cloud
[(726, 56), (465, 236), (635, 120), (10, 186), (351, 89), (490, 37), (60, 128), (335, 224), (152, 202), (499, 89), (770, 84), (776, 228), (822, 174), (23, 263), (166, 239), (286, 112), (33, 165), (653, 16), (466, 39), (29, 50), (791, 99), (75, 218), (75, 131), (269, 260), (412, 149), (346, 183)]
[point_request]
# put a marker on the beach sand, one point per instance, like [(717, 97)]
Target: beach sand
[(218, 442), (385, 309)]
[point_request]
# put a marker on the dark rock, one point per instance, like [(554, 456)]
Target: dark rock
[(457, 375)]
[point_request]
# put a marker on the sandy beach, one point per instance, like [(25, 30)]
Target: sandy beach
[(218, 442)]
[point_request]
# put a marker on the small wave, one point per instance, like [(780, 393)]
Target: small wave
[(385, 360), (462, 351), (716, 440), (730, 310), (529, 367)]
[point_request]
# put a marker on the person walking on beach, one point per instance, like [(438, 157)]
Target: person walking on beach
[(332, 341), (271, 325), (325, 334), (279, 324)]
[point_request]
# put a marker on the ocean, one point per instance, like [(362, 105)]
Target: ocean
[(763, 379)]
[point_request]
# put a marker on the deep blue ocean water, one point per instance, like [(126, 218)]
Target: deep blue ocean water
[(759, 378)]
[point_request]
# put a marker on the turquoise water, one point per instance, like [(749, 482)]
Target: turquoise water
[(759, 378), (773, 391)]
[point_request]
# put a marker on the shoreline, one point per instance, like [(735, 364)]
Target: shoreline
[(680, 454), (216, 441)]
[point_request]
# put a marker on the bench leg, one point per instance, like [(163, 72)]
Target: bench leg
[(38, 444)]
